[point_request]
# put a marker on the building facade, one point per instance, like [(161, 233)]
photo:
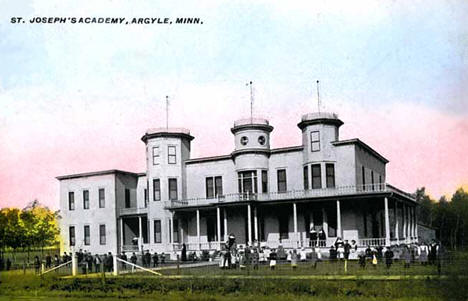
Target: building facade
[(259, 194)]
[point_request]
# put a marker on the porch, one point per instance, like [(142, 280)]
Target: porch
[(369, 220), (133, 230)]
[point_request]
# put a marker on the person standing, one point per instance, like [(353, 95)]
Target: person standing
[(294, 259), (97, 263), (314, 258), (110, 260), (388, 257), (255, 258), (184, 252), (37, 264), (124, 257), (322, 238), (346, 249), (313, 236), (48, 261), (155, 259)]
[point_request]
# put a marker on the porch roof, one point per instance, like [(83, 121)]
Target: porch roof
[(301, 196)]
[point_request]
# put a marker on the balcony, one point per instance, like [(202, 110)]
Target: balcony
[(288, 195), (133, 211)]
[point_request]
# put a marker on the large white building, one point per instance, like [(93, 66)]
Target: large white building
[(273, 196)]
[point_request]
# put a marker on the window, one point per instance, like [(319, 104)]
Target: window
[(372, 179), (330, 172), (283, 221), (71, 235), (102, 234), (172, 189), (86, 235), (145, 191), (218, 186), (171, 154), (315, 141), (306, 177), (316, 176), (211, 228), (264, 181), (102, 198), (127, 198), (156, 190), (71, 200), (175, 222), (214, 187), (209, 188), (85, 199), (247, 182), (363, 173), (157, 231), (282, 186), (156, 155)]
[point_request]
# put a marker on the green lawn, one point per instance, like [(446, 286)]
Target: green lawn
[(284, 283)]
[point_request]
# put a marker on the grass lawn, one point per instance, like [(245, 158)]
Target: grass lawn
[(212, 283)]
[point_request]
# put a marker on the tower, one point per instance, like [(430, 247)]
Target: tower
[(166, 151)]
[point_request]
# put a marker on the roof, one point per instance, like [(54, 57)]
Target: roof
[(168, 133), (229, 157), (369, 149), (99, 173)]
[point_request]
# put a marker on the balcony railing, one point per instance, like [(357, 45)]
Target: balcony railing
[(287, 195), (133, 211)]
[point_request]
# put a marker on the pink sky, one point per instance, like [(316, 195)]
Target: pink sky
[(78, 98), (425, 147)]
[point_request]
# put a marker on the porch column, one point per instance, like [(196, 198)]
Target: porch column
[(171, 233), (218, 224), (387, 223), (338, 220), (225, 224), (295, 223), (198, 228), (404, 220), (121, 235), (324, 221), (397, 236), (181, 227), (140, 234), (415, 224), (255, 224), (249, 225)]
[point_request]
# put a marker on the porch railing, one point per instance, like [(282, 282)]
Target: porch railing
[(371, 242), (133, 211), (287, 195)]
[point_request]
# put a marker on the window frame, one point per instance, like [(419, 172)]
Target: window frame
[(157, 239), (158, 185), (316, 166), (86, 204), (314, 142), (170, 196), (280, 181), (305, 170), (88, 236), (102, 234), (156, 154), (209, 187), (264, 175), (169, 155), (71, 201), (102, 201), (330, 176), (72, 238)]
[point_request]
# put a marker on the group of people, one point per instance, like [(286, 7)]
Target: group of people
[(408, 253), (100, 263)]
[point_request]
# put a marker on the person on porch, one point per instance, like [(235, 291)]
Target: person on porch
[(322, 238), (313, 236)]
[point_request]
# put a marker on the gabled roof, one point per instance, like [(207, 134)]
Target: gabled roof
[(369, 149)]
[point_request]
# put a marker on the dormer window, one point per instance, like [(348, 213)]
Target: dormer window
[(315, 141)]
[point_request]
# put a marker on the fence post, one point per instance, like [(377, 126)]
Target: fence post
[(42, 268), (74, 264), (24, 268), (346, 266), (116, 268)]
